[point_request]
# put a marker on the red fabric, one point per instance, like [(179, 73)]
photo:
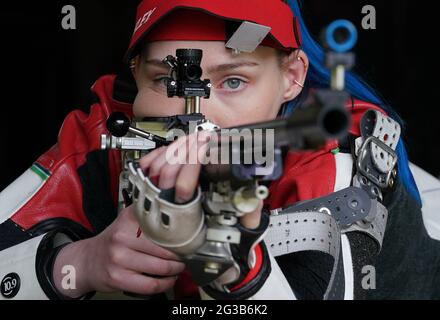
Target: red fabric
[(310, 175), (306, 175), (103, 88), (254, 271), (185, 288), (61, 195), (188, 25), (193, 25), (272, 13)]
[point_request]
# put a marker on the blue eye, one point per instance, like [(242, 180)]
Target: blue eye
[(161, 81), (233, 83)]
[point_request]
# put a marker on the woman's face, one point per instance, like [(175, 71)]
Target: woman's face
[(246, 88)]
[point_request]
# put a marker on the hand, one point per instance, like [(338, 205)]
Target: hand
[(183, 174), (117, 260)]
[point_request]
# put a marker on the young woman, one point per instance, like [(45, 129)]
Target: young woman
[(60, 215)]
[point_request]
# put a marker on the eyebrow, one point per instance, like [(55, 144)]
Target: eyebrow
[(213, 69), (231, 66), (157, 63)]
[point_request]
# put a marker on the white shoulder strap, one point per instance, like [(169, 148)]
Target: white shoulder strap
[(429, 188)]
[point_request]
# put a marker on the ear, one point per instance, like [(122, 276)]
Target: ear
[(134, 66), (294, 72)]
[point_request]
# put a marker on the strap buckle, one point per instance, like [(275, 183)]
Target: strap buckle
[(366, 167)]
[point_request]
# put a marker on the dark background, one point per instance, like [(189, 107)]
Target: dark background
[(47, 71)]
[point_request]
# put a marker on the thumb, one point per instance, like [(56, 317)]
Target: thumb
[(252, 220)]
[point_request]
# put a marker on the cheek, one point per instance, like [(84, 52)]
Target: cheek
[(259, 102), (267, 100), (271, 97), (265, 95)]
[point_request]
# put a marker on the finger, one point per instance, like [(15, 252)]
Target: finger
[(145, 263), (175, 154), (128, 237), (188, 177), (174, 162), (156, 165), (128, 217), (168, 175), (143, 245), (146, 161), (136, 283), (169, 172), (252, 220)]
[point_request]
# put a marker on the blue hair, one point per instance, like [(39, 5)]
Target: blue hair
[(319, 77)]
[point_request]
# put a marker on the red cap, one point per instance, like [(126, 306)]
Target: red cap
[(205, 20)]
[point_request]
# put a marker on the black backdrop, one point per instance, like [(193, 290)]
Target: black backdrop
[(47, 71)]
